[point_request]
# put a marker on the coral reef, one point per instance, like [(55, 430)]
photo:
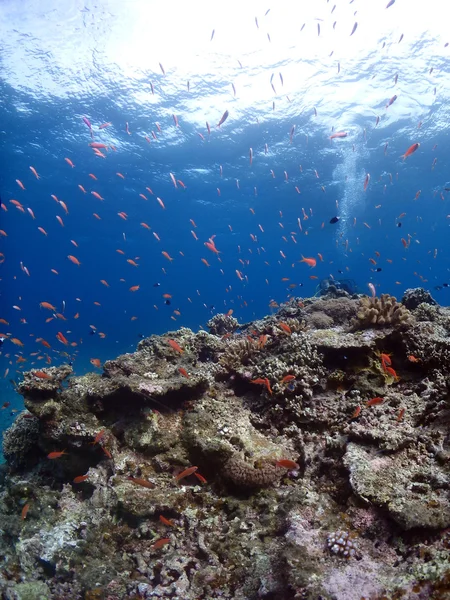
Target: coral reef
[(415, 296), (304, 455), (383, 311)]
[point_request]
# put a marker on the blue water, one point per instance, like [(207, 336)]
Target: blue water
[(99, 60)]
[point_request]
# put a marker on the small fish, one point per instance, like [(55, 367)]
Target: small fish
[(80, 478), (354, 29), (286, 463), (411, 150), (42, 375), (366, 181), (185, 473), (173, 344), (374, 401), (74, 260), (309, 261), (166, 521), (261, 381), (33, 170), (62, 339), (334, 220), (160, 543), (285, 327), (391, 101), (25, 509), (401, 414), (184, 372), (222, 120), (338, 134), (200, 478), (96, 362), (356, 412), (56, 454), (142, 482)]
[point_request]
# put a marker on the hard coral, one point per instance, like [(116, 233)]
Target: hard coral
[(20, 442), (384, 311), (415, 296), (221, 324), (238, 353), (243, 474)]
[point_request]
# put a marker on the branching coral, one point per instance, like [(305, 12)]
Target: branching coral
[(221, 324), (383, 311), (238, 353)]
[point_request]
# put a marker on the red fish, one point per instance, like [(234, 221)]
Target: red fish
[(186, 473), (56, 454), (411, 150), (287, 464), (80, 478), (338, 134), (175, 346), (374, 401)]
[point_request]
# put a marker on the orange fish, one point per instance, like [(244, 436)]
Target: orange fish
[(200, 478), (56, 454), (20, 184), (47, 305), (287, 464), (285, 327), (134, 288), (413, 359), (69, 162), (96, 362), (338, 134), (175, 346), (186, 473), (183, 372), (97, 195), (309, 261), (411, 150), (374, 401), (60, 337), (166, 254), (356, 413), (80, 478), (42, 375), (287, 378), (261, 381), (82, 189), (63, 204), (401, 414), (25, 509), (132, 262), (16, 341), (160, 543), (74, 260), (142, 482), (166, 521), (60, 221), (33, 170)]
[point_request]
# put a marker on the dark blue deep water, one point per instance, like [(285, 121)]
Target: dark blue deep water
[(104, 60)]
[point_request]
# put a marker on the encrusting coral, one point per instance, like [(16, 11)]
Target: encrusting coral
[(383, 311), (295, 456)]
